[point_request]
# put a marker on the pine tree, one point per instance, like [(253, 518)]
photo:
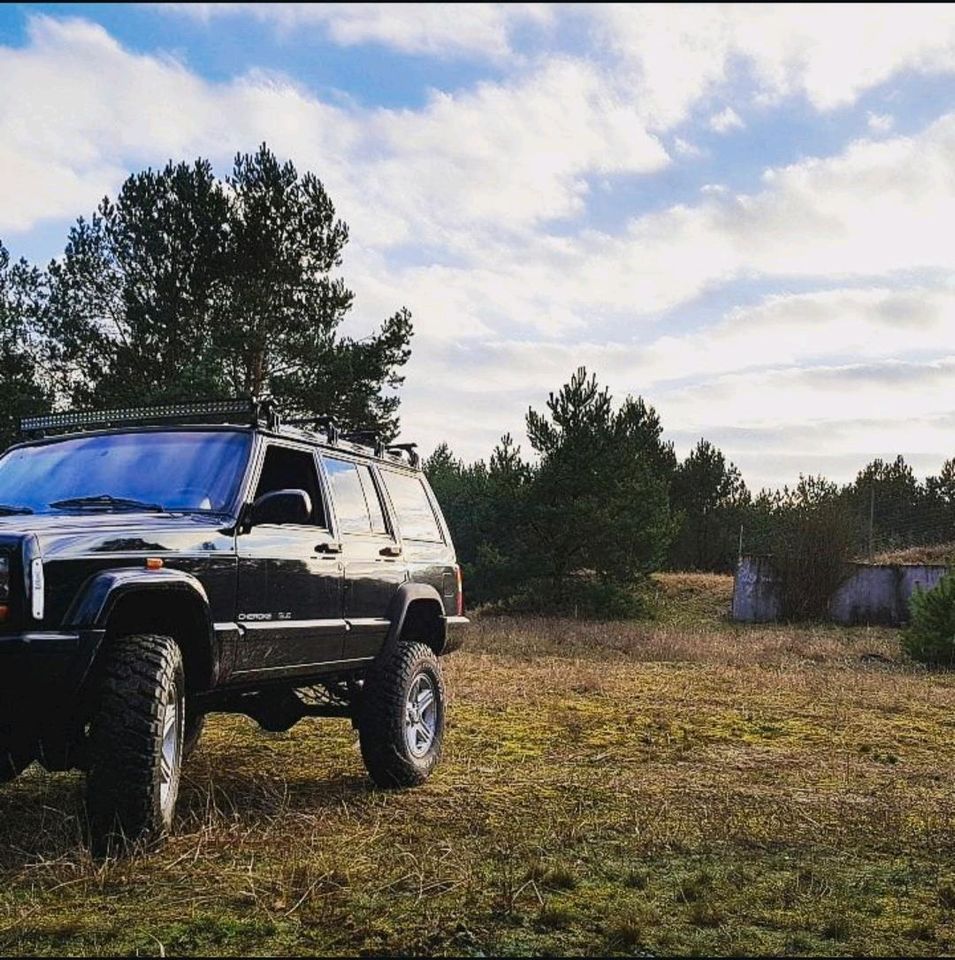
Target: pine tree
[(188, 286), (23, 389), (710, 495), (598, 501)]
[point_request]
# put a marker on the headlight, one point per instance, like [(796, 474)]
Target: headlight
[(4, 579)]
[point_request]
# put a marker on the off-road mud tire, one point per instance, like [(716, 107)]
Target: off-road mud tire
[(382, 716), (125, 801)]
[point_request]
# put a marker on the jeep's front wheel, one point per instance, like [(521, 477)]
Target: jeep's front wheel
[(136, 743), (401, 717)]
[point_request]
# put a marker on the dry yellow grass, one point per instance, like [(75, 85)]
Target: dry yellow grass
[(663, 787), (932, 553)]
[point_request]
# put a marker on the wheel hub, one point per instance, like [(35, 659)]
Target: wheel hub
[(421, 716), (169, 758)]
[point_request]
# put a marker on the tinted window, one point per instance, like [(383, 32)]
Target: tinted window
[(375, 512), (356, 500), (415, 516), (180, 470), (288, 469)]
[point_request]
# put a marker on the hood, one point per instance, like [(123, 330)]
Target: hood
[(85, 532)]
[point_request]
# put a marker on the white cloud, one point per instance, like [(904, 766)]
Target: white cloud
[(725, 121), (671, 57), (86, 110), (510, 155), (878, 207), (678, 55), (826, 419), (880, 122), (778, 339), (803, 329), (505, 155), (466, 29), (686, 148), (795, 396)]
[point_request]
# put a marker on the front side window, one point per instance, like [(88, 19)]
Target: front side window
[(174, 469), (415, 515), (357, 504), (285, 468)]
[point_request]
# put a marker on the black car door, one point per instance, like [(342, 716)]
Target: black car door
[(371, 552), (290, 576)]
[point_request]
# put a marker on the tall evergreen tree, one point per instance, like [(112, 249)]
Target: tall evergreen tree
[(189, 286), (598, 501), (710, 495), (23, 387), (484, 504), (890, 493), (941, 486)]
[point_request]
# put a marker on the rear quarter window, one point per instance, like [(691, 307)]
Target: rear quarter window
[(412, 505)]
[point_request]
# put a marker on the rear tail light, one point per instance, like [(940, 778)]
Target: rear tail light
[(460, 591)]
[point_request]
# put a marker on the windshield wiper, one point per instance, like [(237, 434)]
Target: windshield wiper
[(9, 509), (106, 501)]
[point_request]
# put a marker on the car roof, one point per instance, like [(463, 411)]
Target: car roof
[(283, 432)]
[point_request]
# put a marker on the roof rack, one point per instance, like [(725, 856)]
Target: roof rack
[(326, 424), (366, 438), (259, 412), (411, 449), (254, 412)]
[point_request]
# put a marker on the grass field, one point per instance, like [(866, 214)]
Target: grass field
[(682, 786)]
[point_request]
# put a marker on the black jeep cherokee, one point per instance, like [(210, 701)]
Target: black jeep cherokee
[(160, 564)]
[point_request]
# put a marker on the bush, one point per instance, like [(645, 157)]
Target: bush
[(490, 577), (580, 595), (930, 636), (810, 553)]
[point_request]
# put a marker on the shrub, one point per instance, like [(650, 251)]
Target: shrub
[(581, 595), (810, 553), (930, 636)]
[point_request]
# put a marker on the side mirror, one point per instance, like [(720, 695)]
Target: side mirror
[(281, 506)]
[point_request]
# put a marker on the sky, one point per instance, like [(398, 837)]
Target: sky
[(745, 214)]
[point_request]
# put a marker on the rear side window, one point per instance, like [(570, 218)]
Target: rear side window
[(415, 514), (375, 513), (357, 504)]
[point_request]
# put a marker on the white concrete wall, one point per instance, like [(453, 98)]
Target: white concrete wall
[(755, 591), (869, 593)]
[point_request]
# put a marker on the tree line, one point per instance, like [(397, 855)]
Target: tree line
[(603, 500)]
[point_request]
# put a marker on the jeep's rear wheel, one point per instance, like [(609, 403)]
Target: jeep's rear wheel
[(401, 717), (136, 743)]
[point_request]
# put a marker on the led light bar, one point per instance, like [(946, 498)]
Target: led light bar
[(248, 411), (255, 413)]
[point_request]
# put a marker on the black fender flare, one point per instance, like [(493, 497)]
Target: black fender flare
[(405, 596), (90, 610)]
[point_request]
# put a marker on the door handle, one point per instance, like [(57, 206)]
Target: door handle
[(393, 551), (328, 548)]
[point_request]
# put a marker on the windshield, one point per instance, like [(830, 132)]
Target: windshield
[(175, 470)]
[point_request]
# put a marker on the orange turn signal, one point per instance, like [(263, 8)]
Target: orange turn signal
[(154, 563)]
